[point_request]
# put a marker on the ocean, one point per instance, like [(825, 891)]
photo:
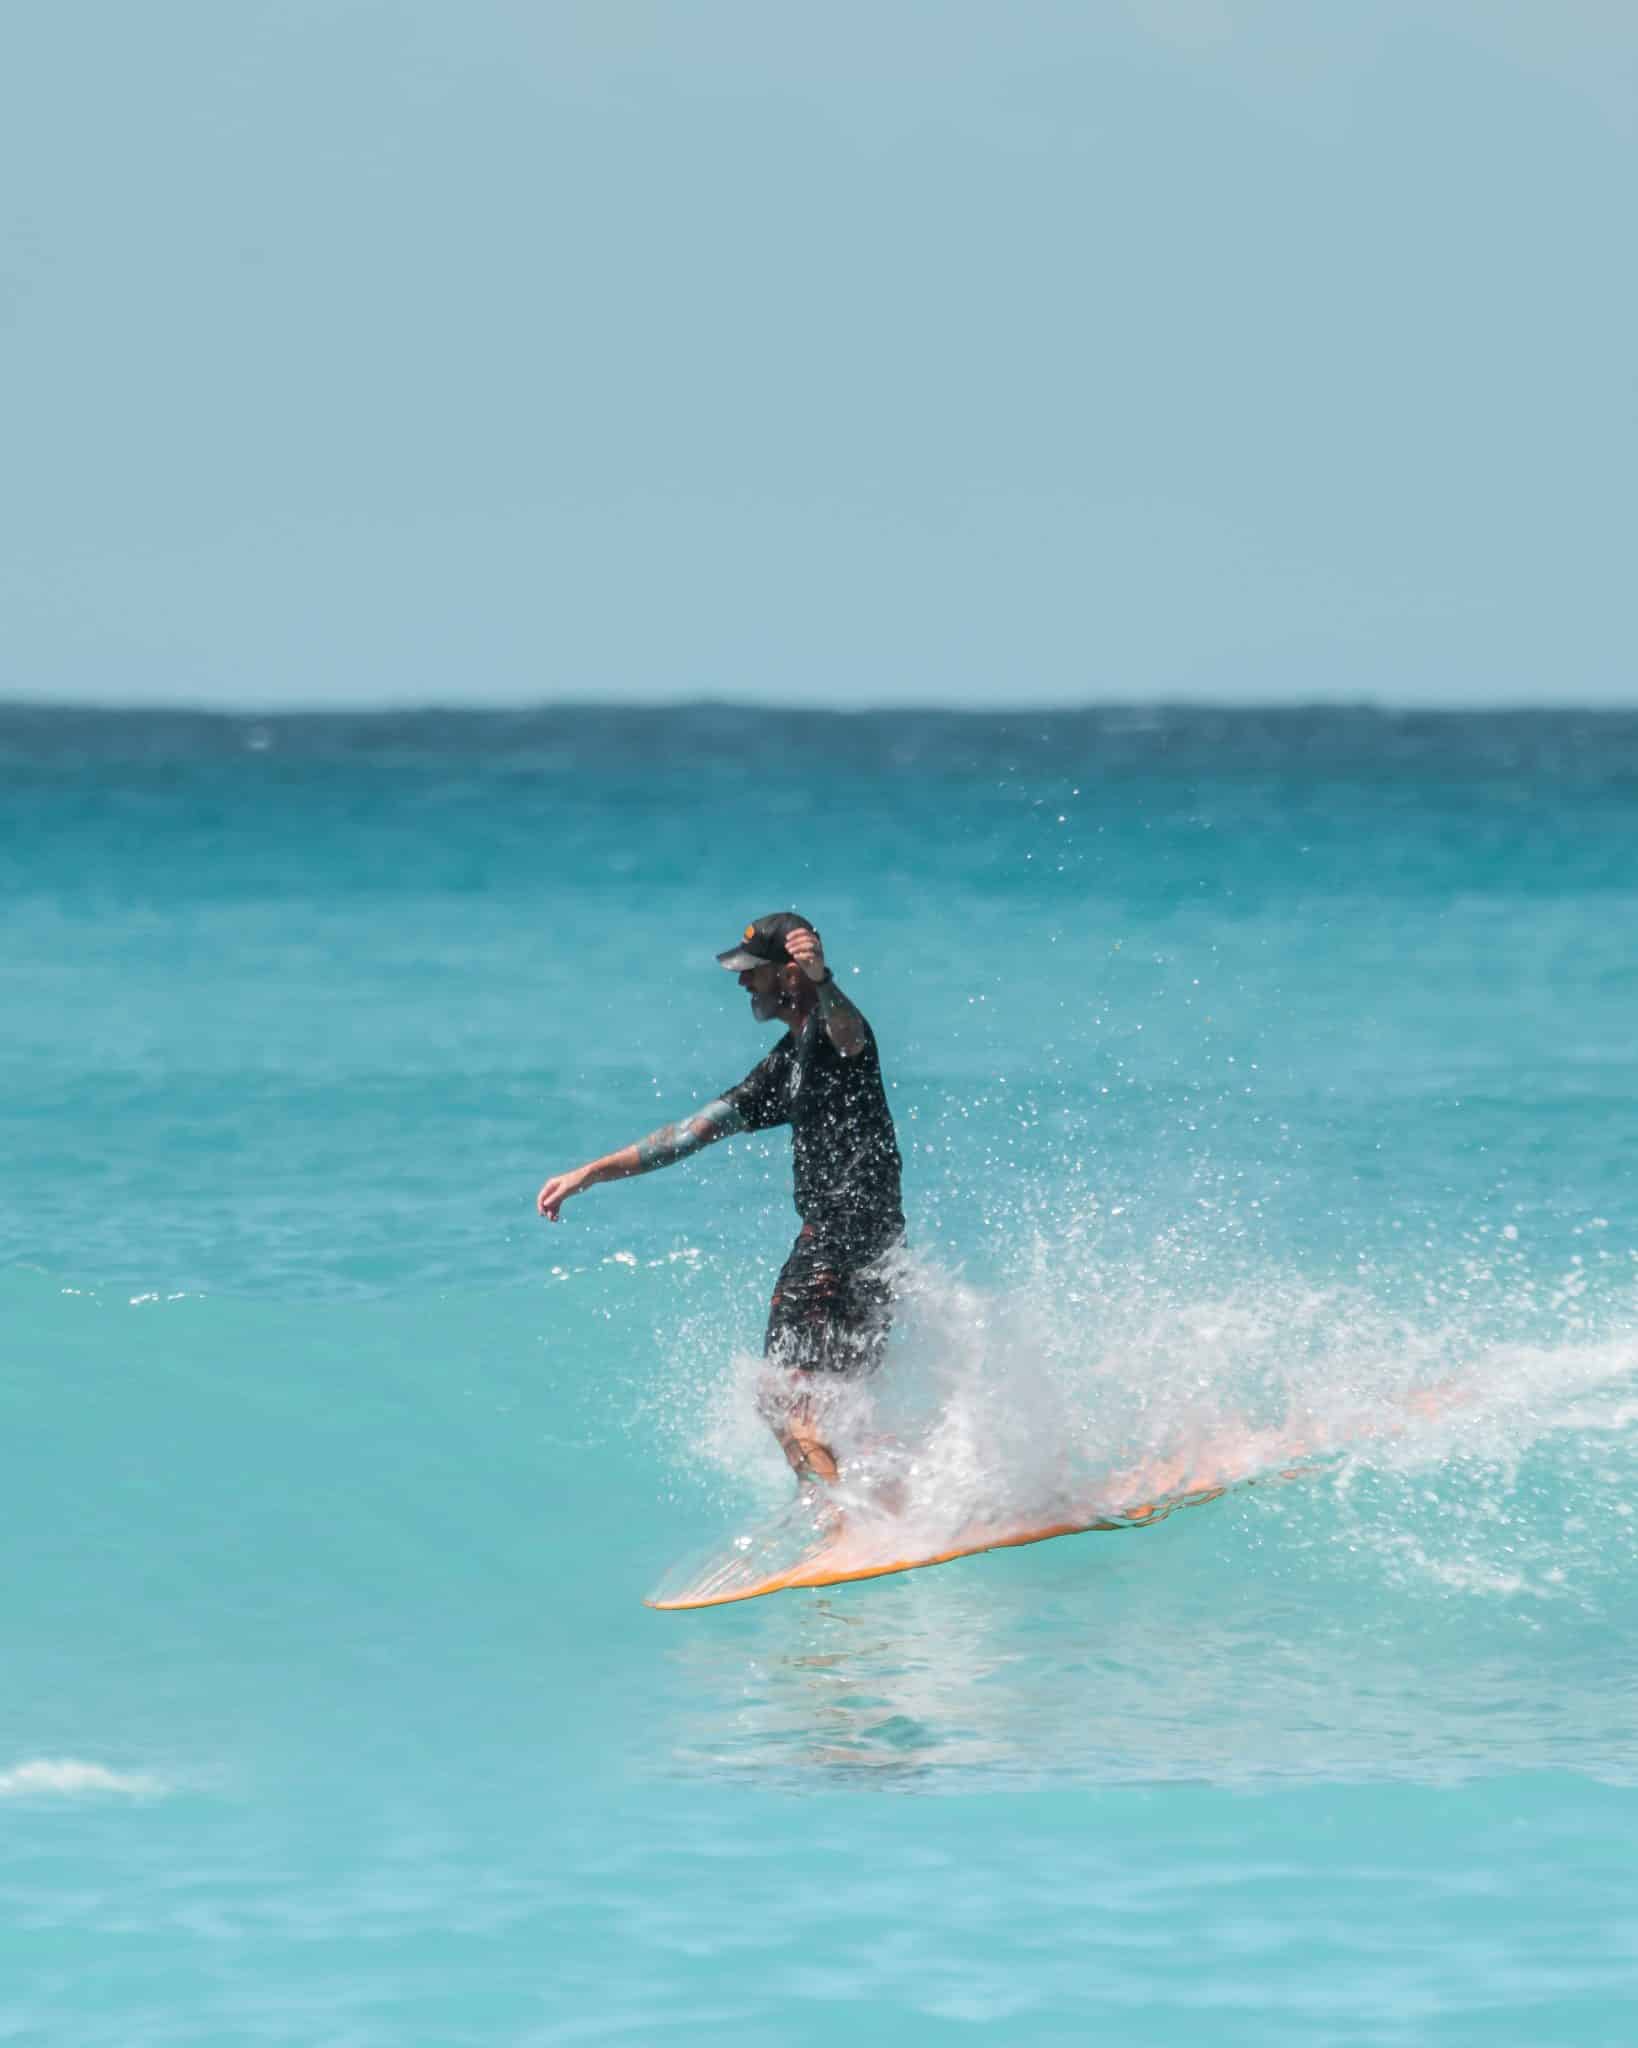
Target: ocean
[(1265, 1083)]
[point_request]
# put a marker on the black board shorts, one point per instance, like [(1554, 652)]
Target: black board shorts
[(830, 1312)]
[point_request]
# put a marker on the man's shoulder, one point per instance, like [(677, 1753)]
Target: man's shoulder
[(777, 1056), (830, 1054)]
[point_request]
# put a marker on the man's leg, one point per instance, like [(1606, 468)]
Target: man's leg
[(826, 1320), (797, 1326), (806, 1451)]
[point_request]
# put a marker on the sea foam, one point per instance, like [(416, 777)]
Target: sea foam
[(70, 1778)]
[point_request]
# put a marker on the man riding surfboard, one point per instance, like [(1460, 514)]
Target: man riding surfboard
[(833, 1301)]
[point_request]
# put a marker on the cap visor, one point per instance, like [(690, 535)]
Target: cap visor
[(737, 959)]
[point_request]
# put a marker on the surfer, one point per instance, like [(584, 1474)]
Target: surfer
[(833, 1301)]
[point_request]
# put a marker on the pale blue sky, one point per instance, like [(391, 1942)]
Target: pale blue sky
[(917, 351)]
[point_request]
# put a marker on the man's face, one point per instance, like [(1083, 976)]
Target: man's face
[(766, 988)]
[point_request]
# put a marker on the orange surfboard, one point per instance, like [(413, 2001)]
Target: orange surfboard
[(840, 1561)]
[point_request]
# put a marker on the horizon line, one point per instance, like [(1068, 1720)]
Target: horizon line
[(1154, 706)]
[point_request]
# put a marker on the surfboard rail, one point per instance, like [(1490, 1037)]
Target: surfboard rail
[(834, 1563)]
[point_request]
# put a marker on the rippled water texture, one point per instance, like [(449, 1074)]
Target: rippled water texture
[(1265, 1084)]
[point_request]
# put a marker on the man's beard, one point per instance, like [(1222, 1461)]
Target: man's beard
[(765, 1009)]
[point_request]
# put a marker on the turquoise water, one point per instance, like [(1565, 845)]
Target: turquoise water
[(1265, 1088)]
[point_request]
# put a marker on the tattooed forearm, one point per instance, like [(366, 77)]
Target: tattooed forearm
[(844, 1023), (672, 1142)]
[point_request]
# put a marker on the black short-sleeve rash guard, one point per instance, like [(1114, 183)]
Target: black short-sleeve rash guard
[(845, 1154)]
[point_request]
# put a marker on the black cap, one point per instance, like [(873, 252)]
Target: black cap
[(763, 944)]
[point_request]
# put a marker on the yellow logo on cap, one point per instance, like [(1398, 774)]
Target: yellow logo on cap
[(750, 931)]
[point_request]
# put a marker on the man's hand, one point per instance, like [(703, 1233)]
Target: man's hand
[(804, 948), (558, 1190)]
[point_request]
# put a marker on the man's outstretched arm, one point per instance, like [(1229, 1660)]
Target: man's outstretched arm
[(663, 1147)]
